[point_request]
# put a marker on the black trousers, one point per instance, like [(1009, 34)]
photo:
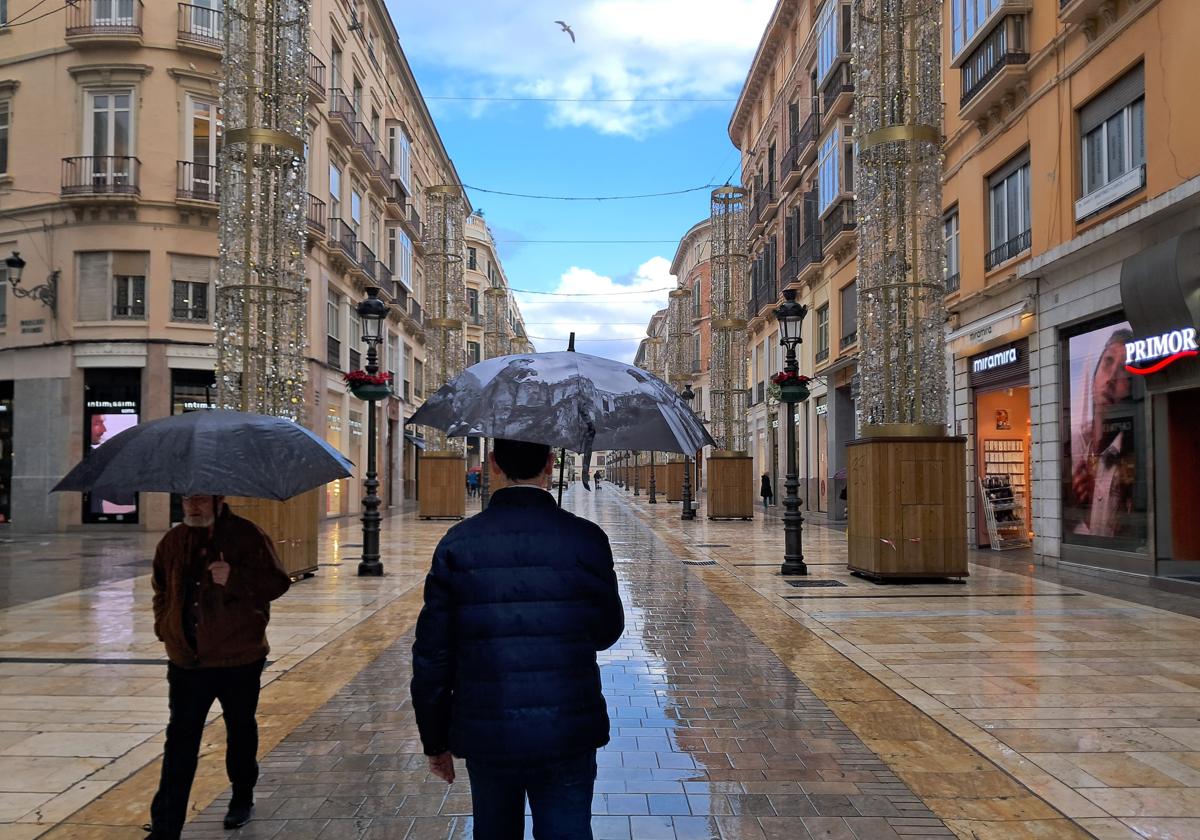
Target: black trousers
[(192, 692)]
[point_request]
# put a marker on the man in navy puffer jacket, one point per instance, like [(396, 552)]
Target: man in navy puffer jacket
[(517, 603)]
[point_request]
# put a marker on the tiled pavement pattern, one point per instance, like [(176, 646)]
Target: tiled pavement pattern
[(712, 737)]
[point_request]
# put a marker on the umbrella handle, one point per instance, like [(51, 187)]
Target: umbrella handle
[(562, 465)]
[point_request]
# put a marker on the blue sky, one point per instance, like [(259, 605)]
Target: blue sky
[(639, 50)]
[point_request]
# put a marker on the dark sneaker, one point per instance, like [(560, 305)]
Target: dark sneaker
[(238, 815)]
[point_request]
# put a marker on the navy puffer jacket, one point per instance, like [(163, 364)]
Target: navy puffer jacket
[(517, 602)]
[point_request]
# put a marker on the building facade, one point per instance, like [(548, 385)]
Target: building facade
[(692, 269), (794, 126), (110, 128), (1072, 229)]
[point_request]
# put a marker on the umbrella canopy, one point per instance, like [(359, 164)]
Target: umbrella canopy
[(566, 400), (202, 453)]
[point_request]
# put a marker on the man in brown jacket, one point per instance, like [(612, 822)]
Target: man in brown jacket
[(214, 579)]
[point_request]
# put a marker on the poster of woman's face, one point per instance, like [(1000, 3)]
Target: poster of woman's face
[(1103, 493), (105, 427)]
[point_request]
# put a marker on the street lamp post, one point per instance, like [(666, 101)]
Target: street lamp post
[(790, 316), (373, 313), (637, 479), (653, 497), (688, 513)]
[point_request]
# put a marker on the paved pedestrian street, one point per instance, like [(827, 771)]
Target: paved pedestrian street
[(1022, 704)]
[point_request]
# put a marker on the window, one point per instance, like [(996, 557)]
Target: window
[(374, 124), (823, 333), (828, 42), (335, 192), (696, 353), (204, 134), (696, 310), (356, 208), (3, 11), (849, 315), (473, 352), (1008, 204), (4, 118), (950, 233), (376, 226), (401, 256), (333, 315), (418, 379), (393, 356), (967, 18), (473, 302), (335, 67), (408, 366), (400, 147), (828, 172), (108, 136), (112, 13), (111, 285), (191, 279), (1112, 132), (358, 96), (471, 259)]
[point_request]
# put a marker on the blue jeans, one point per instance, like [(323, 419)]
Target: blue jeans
[(560, 797)]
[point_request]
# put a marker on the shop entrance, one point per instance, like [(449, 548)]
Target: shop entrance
[(1183, 407), (1003, 440)]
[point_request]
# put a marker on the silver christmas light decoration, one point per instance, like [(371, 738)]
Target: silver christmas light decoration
[(445, 300), (729, 260), (679, 340), (495, 331), (901, 290), (261, 305)]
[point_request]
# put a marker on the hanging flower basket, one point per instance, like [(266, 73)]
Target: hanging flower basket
[(369, 387), (793, 387)]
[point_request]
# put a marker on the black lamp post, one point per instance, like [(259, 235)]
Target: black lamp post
[(688, 513), (653, 497), (45, 293), (637, 479), (790, 316), (373, 313)]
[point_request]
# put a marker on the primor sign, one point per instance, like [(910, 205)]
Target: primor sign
[(1145, 356)]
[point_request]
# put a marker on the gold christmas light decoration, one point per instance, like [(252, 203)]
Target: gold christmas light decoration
[(445, 299), (729, 260)]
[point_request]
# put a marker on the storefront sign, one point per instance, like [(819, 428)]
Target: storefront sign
[(981, 334), (1162, 350), (822, 409), (33, 326), (992, 361), (120, 406)]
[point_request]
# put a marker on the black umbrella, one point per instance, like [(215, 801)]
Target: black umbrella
[(565, 400), (209, 453)]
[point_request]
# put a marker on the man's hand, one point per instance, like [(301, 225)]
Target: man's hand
[(442, 766), (220, 572)]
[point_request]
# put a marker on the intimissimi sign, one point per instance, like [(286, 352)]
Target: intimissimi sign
[(1145, 356), (1003, 366)]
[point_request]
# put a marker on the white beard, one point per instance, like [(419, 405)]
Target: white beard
[(199, 521)]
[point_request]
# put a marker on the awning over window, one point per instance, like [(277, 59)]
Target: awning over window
[(1160, 289)]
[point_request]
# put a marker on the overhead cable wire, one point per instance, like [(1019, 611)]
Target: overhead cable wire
[(27, 12), (570, 99), (590, 197), (592, 294), (15, 23)]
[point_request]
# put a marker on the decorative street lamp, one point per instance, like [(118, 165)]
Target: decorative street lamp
[(637, 479), (793, 388), (688, 513), (373, 312), (46, 293), (653, 497)]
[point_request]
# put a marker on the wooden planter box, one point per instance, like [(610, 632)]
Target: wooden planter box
[(730, 487), (908, 509), (673, 473), (291, 524), (443, 486)]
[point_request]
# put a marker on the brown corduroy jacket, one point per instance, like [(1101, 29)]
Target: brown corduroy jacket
[(230, 620)]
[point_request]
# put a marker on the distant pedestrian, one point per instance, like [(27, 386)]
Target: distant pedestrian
[(766, 491), (518, 601), (214, 579), (596, 478), (472, 484)]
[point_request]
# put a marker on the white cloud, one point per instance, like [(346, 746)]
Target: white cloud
[(626, 49), (591, 317)]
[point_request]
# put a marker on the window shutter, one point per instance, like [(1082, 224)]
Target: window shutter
[(92, 287), (129, 263), (191, 269), (1125, 91)]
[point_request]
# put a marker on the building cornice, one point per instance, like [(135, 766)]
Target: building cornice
[(768, 47), (689, 238)]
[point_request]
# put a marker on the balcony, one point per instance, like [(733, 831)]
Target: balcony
[(366, 261), (848, 340), (840, 222), (791, 267), (822, 355), (994, 68), (415, 230), (760, 392), (363, 149), (415, 313), (393, 204), (952, 281), (200, 29), (342, 117), (316, 78), (314, 215), (381, 174), (343, 242), (808, 259), (695, 365), (1079, 11), (1009, 250), (809, 133), (801, 152), (110, 178), (837, 96), (104, 22), (384, 279), (196, 182), (333, 352)]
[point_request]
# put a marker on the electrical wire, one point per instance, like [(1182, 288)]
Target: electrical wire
[(585, 241), (579, 338), (39, 17), (590, 197), (592, 294), (565, 99), (28, 11)]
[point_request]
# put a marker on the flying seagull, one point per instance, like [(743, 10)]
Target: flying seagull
[(567, 29)]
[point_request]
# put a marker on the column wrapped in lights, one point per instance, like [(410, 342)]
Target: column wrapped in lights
[(906, 475), (679, 372), (261, 307), (729, 261), (445, 299), (901, 290), (495, 343)]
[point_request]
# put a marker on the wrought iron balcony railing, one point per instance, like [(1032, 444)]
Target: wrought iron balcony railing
[(109, 175), (104, 17), (366, 260), (316, 75), (839, 220), (1004, 47), (201, 25), (196, 182), (1005, 252), (315, 213), (342, 236)]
